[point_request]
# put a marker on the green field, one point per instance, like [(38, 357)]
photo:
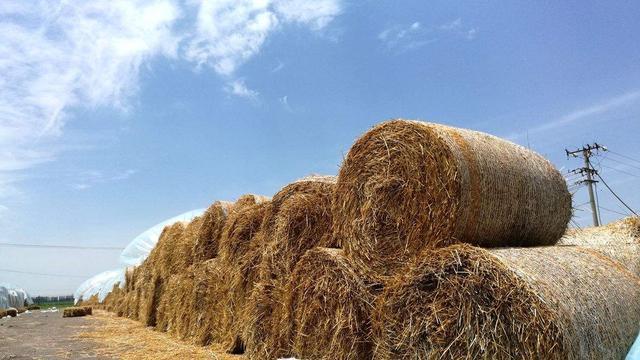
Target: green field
[(57, 304)]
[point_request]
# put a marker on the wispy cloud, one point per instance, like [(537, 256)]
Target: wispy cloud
[(239, 88), (88, 179), (456, 27), (59, 55), (406, 37), (581, 114), (229, 32), (278, 67), (285, 103)]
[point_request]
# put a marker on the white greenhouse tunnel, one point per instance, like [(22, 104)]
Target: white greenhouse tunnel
[(13, 297), (132, 255)]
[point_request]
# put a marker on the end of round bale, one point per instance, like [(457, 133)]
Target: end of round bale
[(328, 307), (463, 302), (408, 185)]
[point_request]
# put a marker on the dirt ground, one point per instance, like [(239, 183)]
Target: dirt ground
[(46, 335)]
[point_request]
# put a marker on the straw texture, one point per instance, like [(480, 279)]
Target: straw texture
[(328, 307), (76, 311), (407, 185), (208, 235), (240, 254), (463, 302), (624, 231), (298, 219)]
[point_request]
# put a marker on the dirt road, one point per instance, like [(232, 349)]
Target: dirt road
[(45, 335)]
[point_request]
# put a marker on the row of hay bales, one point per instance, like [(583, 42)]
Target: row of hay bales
[(432, 242)]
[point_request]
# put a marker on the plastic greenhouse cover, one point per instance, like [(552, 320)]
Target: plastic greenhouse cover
[(138, 249), (132, 255), (634, 353), (13, 296), (100, 285)]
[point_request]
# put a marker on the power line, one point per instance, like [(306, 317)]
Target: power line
[(621, 171), (614, 211), (623, 163), (576, 224), (625, 156), (43, 274), (616, 195), (62, 246)]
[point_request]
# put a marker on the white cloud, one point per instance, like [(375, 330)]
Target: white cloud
[(239, 88), (581, 114), (278, 67), (88, 179), (57, 55), (315, 14), (406, 37), (285, 103), (230, 32)]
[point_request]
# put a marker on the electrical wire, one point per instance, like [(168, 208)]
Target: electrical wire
[(625, 164), (43, 274), (62, 246), (624, 156), (621, 171), (576, 224), (614, 211), (616, 195)]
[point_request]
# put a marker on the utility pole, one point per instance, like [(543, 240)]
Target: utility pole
[(588, 171)]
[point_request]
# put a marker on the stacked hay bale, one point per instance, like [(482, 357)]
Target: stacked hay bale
[(208, 236), (268, 276), (329, 306), (608, 240), (209, 293), (624, 231), (464, 302), (156, 271), (298, 219), (240, 252), (407, 185)]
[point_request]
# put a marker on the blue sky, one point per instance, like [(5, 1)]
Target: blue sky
[(117, 115)]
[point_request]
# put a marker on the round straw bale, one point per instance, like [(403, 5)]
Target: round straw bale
[(149, 297), (624, 231), (241, 278), (299, 219), (328, 307), (92, 301), (407, 185), (167, 247), (208, 300), (12, 312), (463, 302), (250, 199), (173, 312), (241, 227), (208, 236)]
